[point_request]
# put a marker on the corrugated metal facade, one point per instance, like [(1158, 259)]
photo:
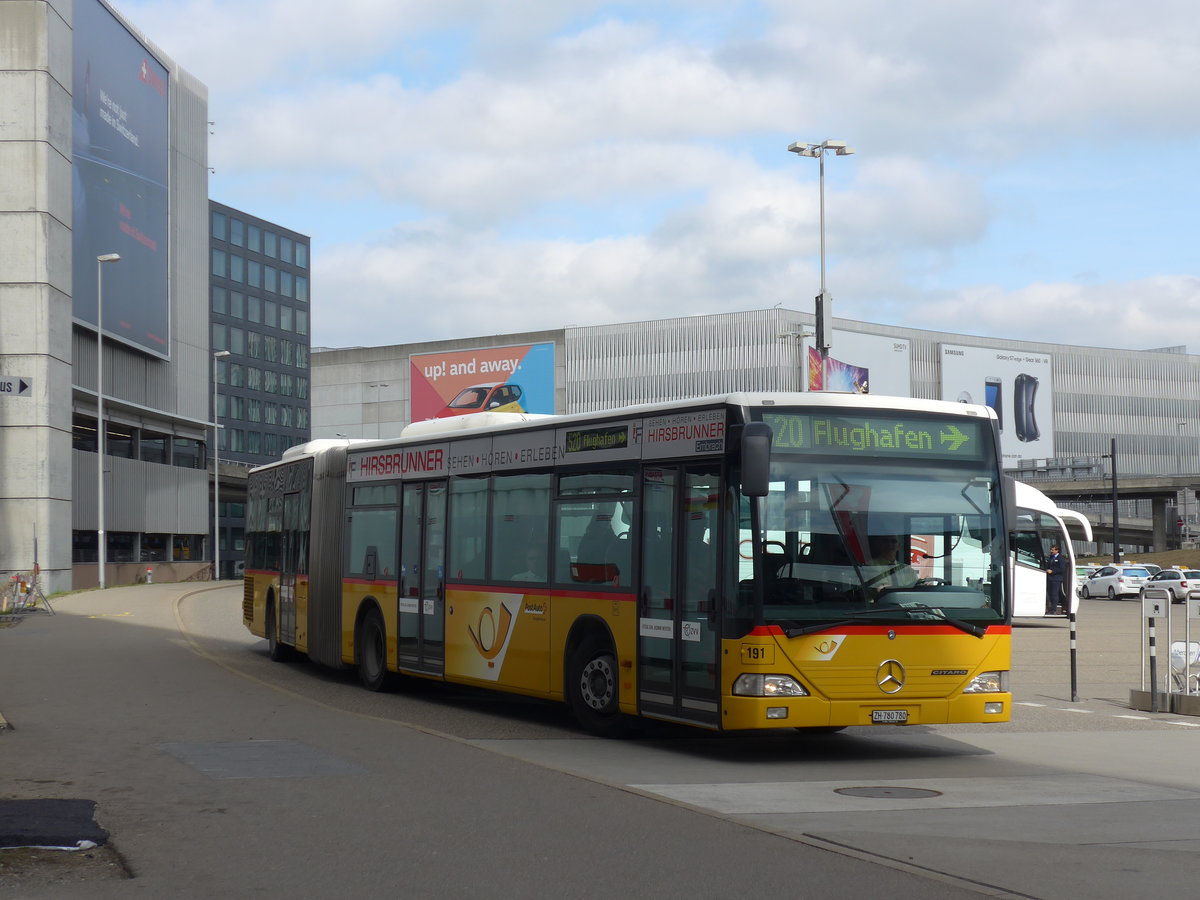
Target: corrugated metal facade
[(1139, 397)]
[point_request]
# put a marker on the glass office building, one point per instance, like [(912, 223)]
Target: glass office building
[(259, 300)]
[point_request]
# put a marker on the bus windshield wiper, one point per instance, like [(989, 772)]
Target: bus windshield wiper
[(932, 611)]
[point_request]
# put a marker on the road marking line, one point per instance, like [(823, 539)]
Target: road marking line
[(1086, 712), (1137, 718), (1027, 703), (1184, 724)]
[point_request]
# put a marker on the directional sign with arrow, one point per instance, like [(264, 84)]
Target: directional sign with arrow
[(15, 386)]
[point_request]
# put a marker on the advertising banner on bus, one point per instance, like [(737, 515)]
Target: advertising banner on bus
[(496, 379)]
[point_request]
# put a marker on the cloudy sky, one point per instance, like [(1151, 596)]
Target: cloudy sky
[(1023, 170)]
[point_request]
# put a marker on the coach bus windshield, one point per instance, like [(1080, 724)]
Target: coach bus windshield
[(880, 518)]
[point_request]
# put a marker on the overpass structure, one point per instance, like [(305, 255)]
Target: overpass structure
[(1160, 532)]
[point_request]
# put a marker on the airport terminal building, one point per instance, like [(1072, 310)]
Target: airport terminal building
[(103, 215), (1060, 406)]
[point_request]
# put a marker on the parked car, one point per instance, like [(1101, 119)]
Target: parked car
[(1177, 581), (1149, 567), (1114, 582)]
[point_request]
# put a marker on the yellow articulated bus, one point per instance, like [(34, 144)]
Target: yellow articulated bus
[(748, 561)]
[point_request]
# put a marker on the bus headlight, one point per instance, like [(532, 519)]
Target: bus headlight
[(768, 686), (988, 683)]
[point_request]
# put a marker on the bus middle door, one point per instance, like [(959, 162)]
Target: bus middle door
[(420, 642)]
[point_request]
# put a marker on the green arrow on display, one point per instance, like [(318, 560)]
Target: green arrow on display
[(953, 436)]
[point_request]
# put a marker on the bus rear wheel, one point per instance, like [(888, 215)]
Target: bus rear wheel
[(592, 688), (371, 651), (276, 649)]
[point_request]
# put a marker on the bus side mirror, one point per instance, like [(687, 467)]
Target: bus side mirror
[(1010, 503), (756, 459)]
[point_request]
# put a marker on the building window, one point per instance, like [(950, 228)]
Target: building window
[(301, 255), (188, 453), (254, 442), (254, 239), (285, 317), (220, 300), (302, 388), (287, 385), (301, 356), (237, 408), (285, 284), (254, 309), (253, 273), (271, 382), (119, 441), (219, 226), (220, 337), (83, 434), (254, 344), (253, 410), (285, 249), (271, 279), (302, 418), (237, 268), (272, 314), (187, 547), (237, 341), (271, 348), (285, 415), (270, 244), (237, 376), (154, 547), (221, 371), (153, 447), (287, 355), (301, 322), (237, 304), (237, 232), (271, 414), (254, 378), (302, 288), (218, 263)]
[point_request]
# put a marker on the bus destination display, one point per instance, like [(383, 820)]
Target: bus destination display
[(875, 435)]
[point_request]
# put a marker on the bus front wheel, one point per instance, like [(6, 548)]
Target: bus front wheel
[(592, 688), (372, 652)]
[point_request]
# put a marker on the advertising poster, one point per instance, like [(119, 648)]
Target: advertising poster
[(861, 364), (497, 379), (119, 163), (1017, 385)]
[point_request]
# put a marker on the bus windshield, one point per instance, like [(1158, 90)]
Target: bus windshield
[(880, 540)]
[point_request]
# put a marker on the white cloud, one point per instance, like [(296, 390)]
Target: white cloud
[(583, 163)]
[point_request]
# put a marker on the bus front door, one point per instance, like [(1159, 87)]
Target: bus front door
[(420, 642), (678, 622)]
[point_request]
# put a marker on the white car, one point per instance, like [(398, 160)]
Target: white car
[(1115, 581), (1178, 581)]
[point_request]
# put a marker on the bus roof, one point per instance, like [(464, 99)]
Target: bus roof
[(488, 422)]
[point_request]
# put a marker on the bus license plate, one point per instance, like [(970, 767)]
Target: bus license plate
[(889, 716)]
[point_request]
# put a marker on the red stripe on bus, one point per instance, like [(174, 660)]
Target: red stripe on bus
[(907, 628)]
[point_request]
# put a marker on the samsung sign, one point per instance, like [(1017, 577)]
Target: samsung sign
[(120, 142)]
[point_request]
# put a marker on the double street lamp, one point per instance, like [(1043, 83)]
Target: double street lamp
[(824, 309), (217, 357), (100, 429)]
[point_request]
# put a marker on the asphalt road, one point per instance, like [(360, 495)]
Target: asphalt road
[(218, 772)]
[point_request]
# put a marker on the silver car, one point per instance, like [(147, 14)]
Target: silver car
[(1178, 581), (1115, 581)]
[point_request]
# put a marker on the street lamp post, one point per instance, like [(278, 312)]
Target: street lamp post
[(824, 308), (218, 355), (100, 261), (1179, 468), (379, 386)]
